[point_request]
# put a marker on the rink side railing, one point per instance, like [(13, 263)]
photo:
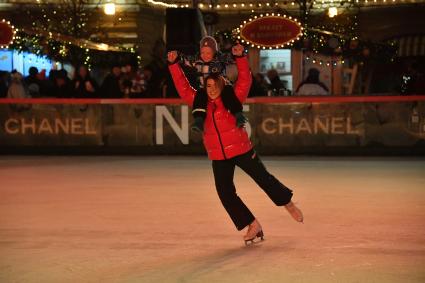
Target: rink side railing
[(277, 125), (287, 99)]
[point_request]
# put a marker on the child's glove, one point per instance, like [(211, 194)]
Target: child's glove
[(240, 119), (198, 125)]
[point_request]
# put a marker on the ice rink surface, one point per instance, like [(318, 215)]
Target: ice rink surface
[(158, 219)]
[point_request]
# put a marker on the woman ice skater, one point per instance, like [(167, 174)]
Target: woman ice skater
[(228, 146)]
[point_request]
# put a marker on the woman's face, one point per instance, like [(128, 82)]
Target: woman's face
[(213, 90)]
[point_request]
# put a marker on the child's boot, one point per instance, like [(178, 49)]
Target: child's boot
[(198, 125)]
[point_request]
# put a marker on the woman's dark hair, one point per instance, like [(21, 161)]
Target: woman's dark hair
[(218, 79)]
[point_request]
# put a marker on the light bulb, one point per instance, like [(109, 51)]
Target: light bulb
[(332, 12), (109, 9)]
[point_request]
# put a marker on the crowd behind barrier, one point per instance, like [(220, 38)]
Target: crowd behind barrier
[(121, 82), (154, 81)]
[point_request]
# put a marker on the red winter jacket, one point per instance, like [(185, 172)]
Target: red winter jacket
[(222, 138)]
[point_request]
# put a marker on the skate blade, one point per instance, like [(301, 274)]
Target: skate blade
[(257, 239)]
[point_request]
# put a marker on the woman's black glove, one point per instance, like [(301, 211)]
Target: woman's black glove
[(240, 119), (198, 125)]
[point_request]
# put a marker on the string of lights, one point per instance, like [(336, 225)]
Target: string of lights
[(328, 63), (261, 4), (163, 4), (319, 4)]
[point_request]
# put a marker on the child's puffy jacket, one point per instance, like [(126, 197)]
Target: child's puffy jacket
[(222, 138)]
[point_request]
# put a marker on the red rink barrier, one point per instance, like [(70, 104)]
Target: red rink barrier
[(265, 100)]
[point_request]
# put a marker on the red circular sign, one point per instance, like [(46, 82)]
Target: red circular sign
[(6, 33), (271, 31)]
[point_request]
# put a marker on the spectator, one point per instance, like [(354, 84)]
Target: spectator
[(277, 85), (149, 89), (132, 80), (51, 83), (137, 84), (33, 83), (62, 86), (261, 80), (111, 86), (259, 86), (312, 85), (17, 88), (158, 68), (127, 74), (4, 83), (84, 85), (155, 75), (413, 80), (42, 75)]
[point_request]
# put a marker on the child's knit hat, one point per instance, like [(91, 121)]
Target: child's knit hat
[(210, 42)]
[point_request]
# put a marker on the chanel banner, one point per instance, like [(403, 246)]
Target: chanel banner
[(275, 128)]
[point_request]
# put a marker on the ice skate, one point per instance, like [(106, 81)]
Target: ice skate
[(295, 212), (254, 231)]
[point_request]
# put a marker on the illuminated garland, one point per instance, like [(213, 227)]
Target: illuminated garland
[(315, 41), (349, 48), (336, 40), (69, 51), (67, 18), (63, 32), (225, 39)]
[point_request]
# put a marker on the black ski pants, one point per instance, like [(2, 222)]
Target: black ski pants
[(250, 163)]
